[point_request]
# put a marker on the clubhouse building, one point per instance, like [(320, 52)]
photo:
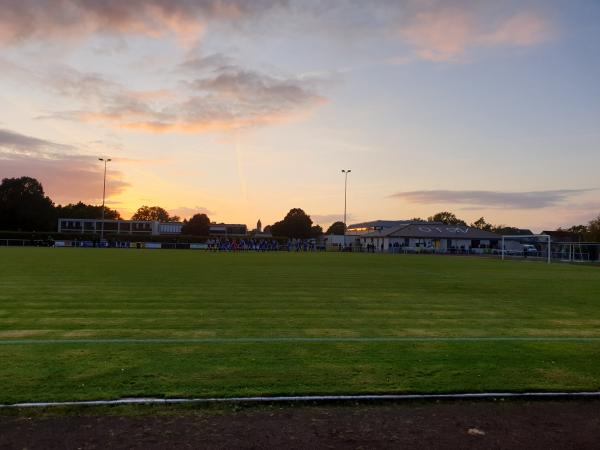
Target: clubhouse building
[(119, 227), (141, 227), (408, 235)]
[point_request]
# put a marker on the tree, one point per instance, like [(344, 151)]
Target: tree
[(446, 218), (82, 211), (316, 231), (337, 228), (23, 206), (198, 225), (578, 229), (482, 224), (153, 213), (296, 224), (594, 229), (513, 231)]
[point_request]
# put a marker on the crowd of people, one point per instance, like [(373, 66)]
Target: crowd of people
[(260, 245), (217, 244)]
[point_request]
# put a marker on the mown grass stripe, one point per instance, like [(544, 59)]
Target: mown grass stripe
[(267, 340), (309, 398)]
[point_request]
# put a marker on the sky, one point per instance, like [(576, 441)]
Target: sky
[(245, 109)]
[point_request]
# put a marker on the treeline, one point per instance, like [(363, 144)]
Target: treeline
[(25, 207), (449, 218), (589, 232)]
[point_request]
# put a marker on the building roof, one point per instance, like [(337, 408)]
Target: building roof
[(74, 219), (565, 236), (441, 231), (418, 229), (380, 224)]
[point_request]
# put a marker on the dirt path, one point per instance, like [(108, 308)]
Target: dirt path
[(485, 425)]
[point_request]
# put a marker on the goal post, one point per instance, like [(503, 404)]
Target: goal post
[(527, 245)]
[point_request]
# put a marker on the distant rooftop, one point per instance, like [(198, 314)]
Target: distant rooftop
[(381, 224), (376, 225)]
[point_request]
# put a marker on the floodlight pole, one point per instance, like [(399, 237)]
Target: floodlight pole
[(106, 161), (345, 172)]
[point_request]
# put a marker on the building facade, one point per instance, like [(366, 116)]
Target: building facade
[(227, 229), (119, 227), (417, 236)]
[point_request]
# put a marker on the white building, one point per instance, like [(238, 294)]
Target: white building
[(416, 236)]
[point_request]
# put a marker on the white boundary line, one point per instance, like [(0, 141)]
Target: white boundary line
[(268, 340), (308, 398)]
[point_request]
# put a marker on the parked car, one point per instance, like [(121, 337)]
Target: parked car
[(530, 249)]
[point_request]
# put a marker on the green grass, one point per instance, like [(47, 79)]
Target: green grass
[(84, 294)]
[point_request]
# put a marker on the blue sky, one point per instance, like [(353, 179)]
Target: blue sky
[(247, 109)]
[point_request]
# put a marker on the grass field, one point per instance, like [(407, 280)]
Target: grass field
[(89, 323)]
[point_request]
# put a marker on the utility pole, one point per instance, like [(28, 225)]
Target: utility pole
[(345, 172), (106, 161)]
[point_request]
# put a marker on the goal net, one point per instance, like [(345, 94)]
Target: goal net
[(576, 251), (528, 246)]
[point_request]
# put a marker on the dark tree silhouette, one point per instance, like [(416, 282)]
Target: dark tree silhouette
[(337, 228), (296, 224), (316, 231), (447, 218), (482, 224), (23, 206), (594, 229), (82, 211), (198, 225), (153, 213)]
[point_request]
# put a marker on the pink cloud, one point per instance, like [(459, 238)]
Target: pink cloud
[(446, 34), (68, 19), (440, 35), (66, 176), (66, 180)]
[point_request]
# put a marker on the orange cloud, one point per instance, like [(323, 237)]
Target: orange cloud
[(218, 98), (186, 124)]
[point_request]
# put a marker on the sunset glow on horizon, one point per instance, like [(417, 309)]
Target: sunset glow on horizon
[(245, 109)]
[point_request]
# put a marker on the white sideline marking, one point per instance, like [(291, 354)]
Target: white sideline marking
[(267, 340), (306, 398)]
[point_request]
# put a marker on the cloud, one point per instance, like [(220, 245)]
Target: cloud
[(522, 29), (19, 144), (66, 176), (446, 32), (185, 212), (492, 199), (217, 95), (25, 20)]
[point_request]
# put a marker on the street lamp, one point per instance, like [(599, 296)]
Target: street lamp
[(345, 172), (106, 161)]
